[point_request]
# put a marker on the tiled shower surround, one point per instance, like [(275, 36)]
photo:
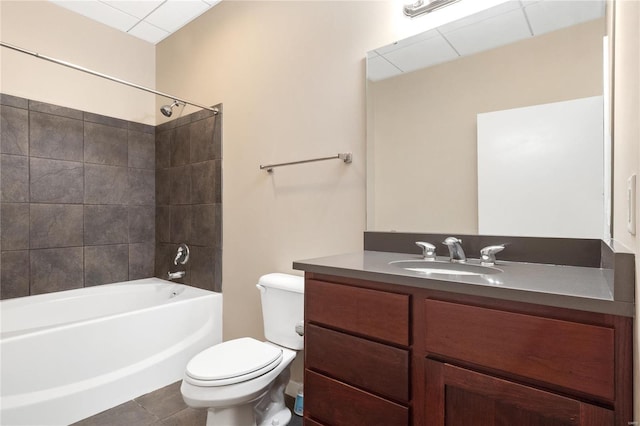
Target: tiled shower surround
[(77, 199), (188, 197)]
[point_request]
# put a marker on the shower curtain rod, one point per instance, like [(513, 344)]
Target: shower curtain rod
[(108, 77)]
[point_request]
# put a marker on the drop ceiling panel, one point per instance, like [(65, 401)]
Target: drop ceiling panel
[(407, 42), (481, 16), (497, 26), (173, 14), (137, 8), (379, 68), (423, 54), (100, 12), (148, 32), (547, 16), (489, 33), (149, 20)]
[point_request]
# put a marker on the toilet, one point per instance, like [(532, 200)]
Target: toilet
[(241, 382)]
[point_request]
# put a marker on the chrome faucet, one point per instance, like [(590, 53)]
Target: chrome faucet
[(456, 254), (175, 275), (488, 254), (428, 250), (182, 255)]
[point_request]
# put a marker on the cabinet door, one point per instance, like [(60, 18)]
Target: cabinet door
[(460, 397)]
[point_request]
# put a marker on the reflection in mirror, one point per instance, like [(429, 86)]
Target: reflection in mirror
[(519, 62)]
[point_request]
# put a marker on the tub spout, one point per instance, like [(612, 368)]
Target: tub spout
[(175, 275)]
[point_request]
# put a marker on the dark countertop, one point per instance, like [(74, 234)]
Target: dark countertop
[(573, 287)]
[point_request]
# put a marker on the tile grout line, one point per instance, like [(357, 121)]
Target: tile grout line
[(157, 419)]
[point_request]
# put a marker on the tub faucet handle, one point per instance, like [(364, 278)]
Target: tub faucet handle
[(488, 254), (182, 255), (428, 250)]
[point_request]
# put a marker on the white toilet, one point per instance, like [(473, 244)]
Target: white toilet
[(242, 381)]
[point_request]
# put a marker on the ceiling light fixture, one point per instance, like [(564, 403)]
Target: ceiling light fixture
[(421, 7)]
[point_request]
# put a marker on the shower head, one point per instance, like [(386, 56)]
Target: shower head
[(167, 110)]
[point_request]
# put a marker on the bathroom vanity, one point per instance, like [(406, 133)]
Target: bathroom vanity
[(535, 344)]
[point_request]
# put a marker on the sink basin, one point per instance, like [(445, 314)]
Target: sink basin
[(446, 268)]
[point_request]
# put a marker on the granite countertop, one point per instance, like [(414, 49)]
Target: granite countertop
[(583, 288)]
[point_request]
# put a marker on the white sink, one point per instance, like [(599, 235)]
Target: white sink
[(444, 268)]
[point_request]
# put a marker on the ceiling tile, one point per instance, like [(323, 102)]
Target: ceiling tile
[(163, 16), (388, 48), (173, 14), (100, 12), (137, 8), (547, 16), (148, 32), (378, 69), (421, 36), (407, 42), (423, 54), (489, 33), (481, 16)]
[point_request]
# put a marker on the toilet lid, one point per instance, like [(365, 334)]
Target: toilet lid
[(234, 359)]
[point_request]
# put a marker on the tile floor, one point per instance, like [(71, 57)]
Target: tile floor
[(163, 407)]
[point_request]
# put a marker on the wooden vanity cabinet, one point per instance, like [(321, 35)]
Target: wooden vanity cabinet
[(356, 355), (383, 354)]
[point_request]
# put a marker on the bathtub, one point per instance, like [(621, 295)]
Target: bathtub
[(68, 355)]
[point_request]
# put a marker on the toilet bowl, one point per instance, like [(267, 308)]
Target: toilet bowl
[(241, 382), (230, 393)]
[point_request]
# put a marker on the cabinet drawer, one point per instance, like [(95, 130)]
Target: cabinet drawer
[(332, 402), (372, 313), (372, 366), (570, 355)]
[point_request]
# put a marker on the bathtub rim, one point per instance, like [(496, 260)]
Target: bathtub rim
[(6, 336)]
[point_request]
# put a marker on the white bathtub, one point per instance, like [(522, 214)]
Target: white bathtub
[(71, 354)]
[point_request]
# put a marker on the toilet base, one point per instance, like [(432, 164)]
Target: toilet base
[(272, 407), (239, 415), (268, 410), (245, 416)]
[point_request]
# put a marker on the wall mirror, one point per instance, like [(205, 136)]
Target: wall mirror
[(480, 125)]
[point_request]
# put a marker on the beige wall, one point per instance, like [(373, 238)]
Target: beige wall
[(425, 123), (626, 142), (50, 30), (291, 78)]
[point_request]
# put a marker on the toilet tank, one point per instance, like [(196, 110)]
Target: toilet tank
[(282, 297)]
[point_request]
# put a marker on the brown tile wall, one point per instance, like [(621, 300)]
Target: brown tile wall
[(189, 197), (77, 198)]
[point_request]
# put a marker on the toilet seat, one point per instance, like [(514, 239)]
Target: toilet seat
[(232, 362)]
